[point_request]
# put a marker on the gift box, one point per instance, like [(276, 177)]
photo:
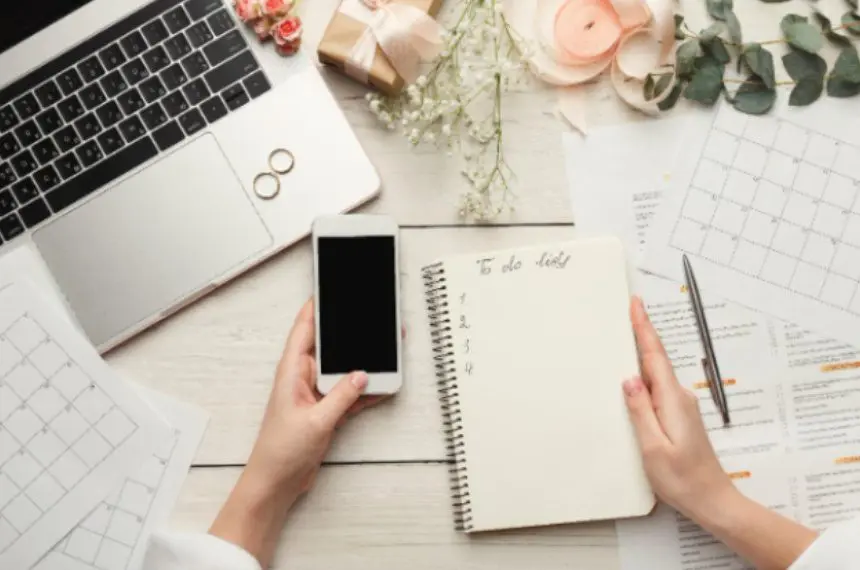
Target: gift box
[(352, 41)]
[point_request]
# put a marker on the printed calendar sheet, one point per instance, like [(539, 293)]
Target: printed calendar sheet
[(69, 430), (768, 209)]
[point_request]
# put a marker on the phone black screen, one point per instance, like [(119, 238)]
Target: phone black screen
[(357, 304)]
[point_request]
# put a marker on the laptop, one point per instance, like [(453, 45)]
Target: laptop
[(131, 136)]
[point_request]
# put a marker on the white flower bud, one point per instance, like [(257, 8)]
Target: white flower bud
[(446, 130), (421, 81)]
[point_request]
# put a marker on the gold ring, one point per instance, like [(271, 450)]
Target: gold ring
[(278, 152), (270, 194)]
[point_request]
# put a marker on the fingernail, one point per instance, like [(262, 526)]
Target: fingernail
[(632, 386), (359, 380)]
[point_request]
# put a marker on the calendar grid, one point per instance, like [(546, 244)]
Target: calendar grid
[(44, 455), (779, 202)]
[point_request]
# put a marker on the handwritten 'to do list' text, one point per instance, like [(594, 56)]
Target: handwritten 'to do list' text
[(547, 260)]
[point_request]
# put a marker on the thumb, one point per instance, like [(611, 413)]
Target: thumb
[(648, 430), (345, 393)]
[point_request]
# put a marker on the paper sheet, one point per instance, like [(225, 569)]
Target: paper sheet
[(115, 535), (794, 395), (69, 430), (768, 209)]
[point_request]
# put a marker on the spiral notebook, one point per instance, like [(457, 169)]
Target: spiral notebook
[(531, 347)]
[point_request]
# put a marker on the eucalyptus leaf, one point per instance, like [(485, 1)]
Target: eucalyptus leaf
[(734, 27), (851, 22), (718, 8), (679, 27), (754, 97), (806, 92), (799, 33), (827, 27), (656, 85), (706, 85), (760, 62), (847, 66), (717, 48), (852, 4), (839, 87), (712, 31), (686, 56), (801, 65), (670, 101)]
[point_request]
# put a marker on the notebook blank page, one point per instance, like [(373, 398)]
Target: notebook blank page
[(543, 341)]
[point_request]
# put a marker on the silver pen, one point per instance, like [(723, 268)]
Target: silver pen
[(709, 362)]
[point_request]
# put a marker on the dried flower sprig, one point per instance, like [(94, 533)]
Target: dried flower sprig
[(457, 104)]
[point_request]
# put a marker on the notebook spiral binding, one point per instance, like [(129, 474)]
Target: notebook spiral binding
[(436, 292)]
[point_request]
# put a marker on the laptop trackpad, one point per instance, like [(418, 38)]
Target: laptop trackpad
[(152, 240)]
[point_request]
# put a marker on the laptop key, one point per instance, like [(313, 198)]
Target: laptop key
[(155, 32), (24, 164), (110, 141), (131, 102), (235, 96), (177, 47), (112, 56), (153, 116), (68, 165), (69, 81), (195, 64), (92, 96), (91, 69), (134, 44), (177, 20), (70, 108), (200, 8), (101, 174), (109, 114), (156, 59), (221, 22), (174, 77), (225, 47), (192, 122), (26, 106), (90, 153), (66, 139), (195, 92), (8, 146), (7, 203), (135, 71), (174, 104), (88, 126), (25, 190), (8, 118), (213, 108), (114, 84), (46, 150), (257, 84), (48, 93), (46, 178), (152, 89), (11, 227), (7, 175), (168, 135), (49, 121), (34, 213), (28, 133), (199, 34), (231, 71), (132, 129)]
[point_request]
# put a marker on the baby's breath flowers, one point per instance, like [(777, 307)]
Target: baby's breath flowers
[(456, 105)]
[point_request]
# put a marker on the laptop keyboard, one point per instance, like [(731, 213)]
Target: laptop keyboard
[(115, 101)]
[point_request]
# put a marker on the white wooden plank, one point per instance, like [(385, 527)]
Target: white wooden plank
[(380, 517), (221, 352)]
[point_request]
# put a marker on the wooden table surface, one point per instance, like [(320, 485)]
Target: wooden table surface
[(382, 499)]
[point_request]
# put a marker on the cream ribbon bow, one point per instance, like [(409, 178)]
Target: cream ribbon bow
[(406, 35)]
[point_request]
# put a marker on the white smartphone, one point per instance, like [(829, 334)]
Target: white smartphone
[(357, 294)]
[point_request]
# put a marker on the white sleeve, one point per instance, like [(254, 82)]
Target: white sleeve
[(195, 552), (838, 548)]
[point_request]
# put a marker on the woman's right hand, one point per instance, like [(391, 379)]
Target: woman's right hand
[(679, 459)]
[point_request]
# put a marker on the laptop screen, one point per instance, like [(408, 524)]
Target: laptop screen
[(20, 20)]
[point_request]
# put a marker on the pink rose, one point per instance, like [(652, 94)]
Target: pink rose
[(263, 28), (247, 10), (277, 8), (288, 31)]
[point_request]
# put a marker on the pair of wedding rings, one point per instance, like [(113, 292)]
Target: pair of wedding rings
[(267, 185)]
